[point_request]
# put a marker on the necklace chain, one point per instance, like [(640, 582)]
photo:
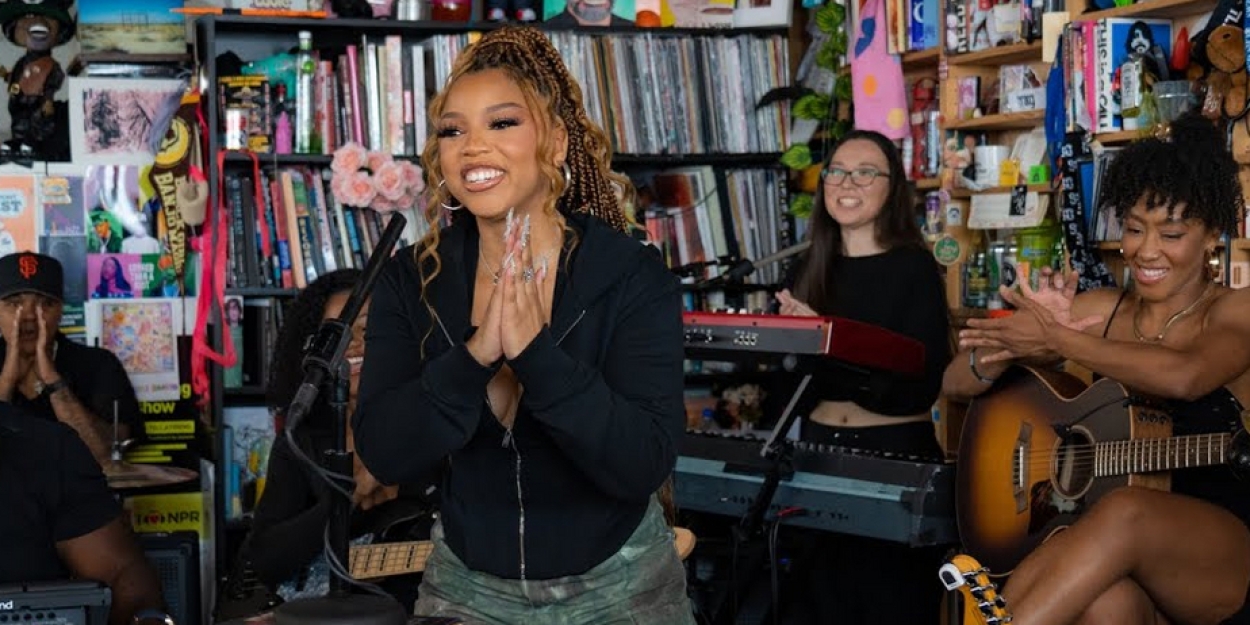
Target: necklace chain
[(1171, 320), (493, 272)]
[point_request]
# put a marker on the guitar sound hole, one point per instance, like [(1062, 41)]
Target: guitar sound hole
[(1073, 468)]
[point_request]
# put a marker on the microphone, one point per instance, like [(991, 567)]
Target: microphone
[(746, 267), (324, 353)]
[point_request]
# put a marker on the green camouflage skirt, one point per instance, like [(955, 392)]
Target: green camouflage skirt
[(644, 582)]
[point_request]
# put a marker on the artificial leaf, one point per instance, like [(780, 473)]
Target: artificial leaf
[(842, 87), (801, 205), (797, 156), (779, 94), (828, 58), (831, 17)]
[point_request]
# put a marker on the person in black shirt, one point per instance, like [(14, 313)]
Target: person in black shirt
[(61, 520), (534, 350), (287, 530), (868, 262), (46, 373)]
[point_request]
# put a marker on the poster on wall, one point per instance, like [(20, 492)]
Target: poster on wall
[(143, 334), (120, 121), (19, 214)]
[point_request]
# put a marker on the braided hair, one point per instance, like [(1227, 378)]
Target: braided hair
[(528, 57), (301, 319), (1191, 172)]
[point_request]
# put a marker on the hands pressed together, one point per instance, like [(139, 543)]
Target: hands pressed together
[(1041, 316), (515, 313), (16, 368)]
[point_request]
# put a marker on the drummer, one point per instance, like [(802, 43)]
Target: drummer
[(50, 376)]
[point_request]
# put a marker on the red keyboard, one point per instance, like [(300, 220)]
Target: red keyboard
[(713, 336)]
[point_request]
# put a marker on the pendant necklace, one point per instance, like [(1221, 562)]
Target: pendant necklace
[(1171, 320)]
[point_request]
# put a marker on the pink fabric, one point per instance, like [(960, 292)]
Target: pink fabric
[(877, 76)]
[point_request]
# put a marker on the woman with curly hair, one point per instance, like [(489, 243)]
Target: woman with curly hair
[(534, 350), (287, 531), (1141, 555)]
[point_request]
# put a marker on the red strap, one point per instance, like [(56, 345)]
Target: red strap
[(212, 293)]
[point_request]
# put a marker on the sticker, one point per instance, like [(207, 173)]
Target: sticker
[(947, 250)]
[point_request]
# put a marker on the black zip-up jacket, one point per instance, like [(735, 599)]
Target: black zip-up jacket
[(601, 411)]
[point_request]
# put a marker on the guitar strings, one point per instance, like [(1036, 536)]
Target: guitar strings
[(1165, 446)]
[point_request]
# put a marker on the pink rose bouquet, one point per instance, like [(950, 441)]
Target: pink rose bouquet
[(374, 179)]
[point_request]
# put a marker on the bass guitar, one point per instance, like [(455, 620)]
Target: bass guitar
[(1040, 448)]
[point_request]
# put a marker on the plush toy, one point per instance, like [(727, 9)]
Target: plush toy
[(39, 123), (1225, 54)]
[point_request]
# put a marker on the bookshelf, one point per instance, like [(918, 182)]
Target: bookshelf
[(722, 148)]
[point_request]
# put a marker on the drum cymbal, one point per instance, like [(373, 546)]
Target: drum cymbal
[(125, 475)]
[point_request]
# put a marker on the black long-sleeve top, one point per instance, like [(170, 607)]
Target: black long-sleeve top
[(600, 413), (900, 290)]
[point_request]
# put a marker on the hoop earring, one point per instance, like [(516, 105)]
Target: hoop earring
[(457, 207), (568, 175)]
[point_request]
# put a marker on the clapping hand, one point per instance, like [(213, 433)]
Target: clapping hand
[(45, 368), (1040, 314)]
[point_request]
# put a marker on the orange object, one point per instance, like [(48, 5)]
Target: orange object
[(647, 19), (249, 12), (1000, 313)]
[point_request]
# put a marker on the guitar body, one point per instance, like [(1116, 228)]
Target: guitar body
[(1025, 466)]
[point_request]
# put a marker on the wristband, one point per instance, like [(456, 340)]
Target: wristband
[(972, 365), (52, 388)]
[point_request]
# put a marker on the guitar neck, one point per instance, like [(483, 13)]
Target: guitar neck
[(1148, 455), (388, 559)]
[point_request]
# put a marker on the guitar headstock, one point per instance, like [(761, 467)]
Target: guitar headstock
[(981, 598)]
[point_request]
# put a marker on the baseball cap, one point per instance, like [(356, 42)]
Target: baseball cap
[(28, 272)]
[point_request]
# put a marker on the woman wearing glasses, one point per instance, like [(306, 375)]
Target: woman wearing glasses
[(868, 262)]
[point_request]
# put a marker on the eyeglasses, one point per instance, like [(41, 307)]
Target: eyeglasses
[(835, 176)]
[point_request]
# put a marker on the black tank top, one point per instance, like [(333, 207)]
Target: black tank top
[(1213, 413)]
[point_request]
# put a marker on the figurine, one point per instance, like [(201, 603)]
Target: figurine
[(39, 123), (521, 10)]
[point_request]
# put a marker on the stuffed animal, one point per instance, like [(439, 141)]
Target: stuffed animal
[(1226, 73), (39, 123)]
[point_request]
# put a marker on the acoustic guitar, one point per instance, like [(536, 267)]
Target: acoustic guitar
[(982, 603), (1040, 448)]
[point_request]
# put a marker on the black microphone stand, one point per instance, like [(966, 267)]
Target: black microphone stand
[(324, 362), (778, 451)]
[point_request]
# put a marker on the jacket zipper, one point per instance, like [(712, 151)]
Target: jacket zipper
[(509, 441)]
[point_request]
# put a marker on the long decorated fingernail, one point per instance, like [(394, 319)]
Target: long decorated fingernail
[(507, 230), (525, 232), (542, 269)]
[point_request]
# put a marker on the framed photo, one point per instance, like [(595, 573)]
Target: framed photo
[(762, 13), (120, 121)]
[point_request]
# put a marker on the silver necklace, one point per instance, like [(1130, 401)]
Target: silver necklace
[(493, 272)]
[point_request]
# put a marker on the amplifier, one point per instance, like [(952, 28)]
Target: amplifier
[(176, 559), (56, 603)]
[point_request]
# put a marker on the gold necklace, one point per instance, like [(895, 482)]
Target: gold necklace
[(493, 272), (1171, 320)]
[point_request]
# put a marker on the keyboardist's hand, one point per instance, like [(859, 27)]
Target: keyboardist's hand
[(794, 307)]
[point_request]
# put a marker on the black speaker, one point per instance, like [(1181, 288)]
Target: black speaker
[(176, 558)]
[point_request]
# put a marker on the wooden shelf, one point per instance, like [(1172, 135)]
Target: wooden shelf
[(1033, 188), (1000, 121), (1241, 244), (354, 27), (1001, 55), (754, 159), (927, 184), (920, 59), (1151, 8), (1122, 136)]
